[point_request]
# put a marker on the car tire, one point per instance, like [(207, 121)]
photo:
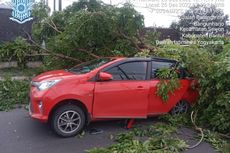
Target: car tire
[(180, 108), (68, 120)]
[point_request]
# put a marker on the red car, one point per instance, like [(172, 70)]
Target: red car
[(105, 88)]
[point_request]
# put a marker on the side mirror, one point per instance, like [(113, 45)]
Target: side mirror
[(103, 76)]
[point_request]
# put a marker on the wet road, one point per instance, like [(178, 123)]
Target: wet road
[(20, 134)]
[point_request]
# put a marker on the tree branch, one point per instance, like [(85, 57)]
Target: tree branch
[(224, 135), (51, 52), (144, 45), (88, 52), (136, 44), (193, 119), (44, 54), (129, 39), (53, 26)]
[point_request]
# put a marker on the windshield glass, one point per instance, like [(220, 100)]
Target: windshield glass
[(89, 66)]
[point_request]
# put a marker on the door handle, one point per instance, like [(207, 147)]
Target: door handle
[(139, 87)]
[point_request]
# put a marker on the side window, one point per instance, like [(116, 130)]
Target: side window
[(129, 71), (116, 73), (156, 65)]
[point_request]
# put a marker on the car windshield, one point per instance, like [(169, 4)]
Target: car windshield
[(89, 66)]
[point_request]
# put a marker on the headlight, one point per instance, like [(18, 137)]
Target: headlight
[(46, 84)]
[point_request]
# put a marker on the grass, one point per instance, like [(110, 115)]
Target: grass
[(13, 93)]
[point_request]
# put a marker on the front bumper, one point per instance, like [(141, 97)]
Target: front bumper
[(37, 116), (36, 111)]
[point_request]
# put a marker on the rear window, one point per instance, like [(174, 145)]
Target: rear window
[(156, 65)]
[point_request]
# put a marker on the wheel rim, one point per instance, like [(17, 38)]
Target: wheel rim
[(69, 121), (180, 108)]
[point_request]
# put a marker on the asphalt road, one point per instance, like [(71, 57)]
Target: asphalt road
[(20, 134)]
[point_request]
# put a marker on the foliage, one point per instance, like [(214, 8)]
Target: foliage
[(169, 50), (214, 138), (17, 50), (168, 83), (88, 29), (198, 61), (168, 79), (215, 93), (176, 120), (155, 138), (211, 69), (99, 150), (154, 130), (210, 66), (144, 53), (167, 144), (40, 12), (216, 141), (13, 92)]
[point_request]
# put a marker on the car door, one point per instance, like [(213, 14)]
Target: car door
[(156, 104), (126, 96)]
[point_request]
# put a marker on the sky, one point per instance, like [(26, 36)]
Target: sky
[(153, 18)]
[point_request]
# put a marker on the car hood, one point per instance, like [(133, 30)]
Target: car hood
[(56, 74)]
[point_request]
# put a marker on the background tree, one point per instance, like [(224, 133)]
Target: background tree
[(202, 14), (90, 29)]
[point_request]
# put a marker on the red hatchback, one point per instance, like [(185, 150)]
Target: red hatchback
[(104, 88)]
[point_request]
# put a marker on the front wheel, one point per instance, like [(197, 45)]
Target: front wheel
[(180, 108), (68, 120)]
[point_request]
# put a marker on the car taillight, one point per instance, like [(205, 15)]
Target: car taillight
[(194, 84)]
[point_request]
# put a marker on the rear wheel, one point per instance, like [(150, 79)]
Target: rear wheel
[(180, 108), (68, 120)]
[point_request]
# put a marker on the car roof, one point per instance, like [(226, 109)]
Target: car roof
[(164, 59), (150, 59)]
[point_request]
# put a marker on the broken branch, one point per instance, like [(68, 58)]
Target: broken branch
[(130, 39), (51, 52), (88, 52), (193, 119), (53, 26)]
